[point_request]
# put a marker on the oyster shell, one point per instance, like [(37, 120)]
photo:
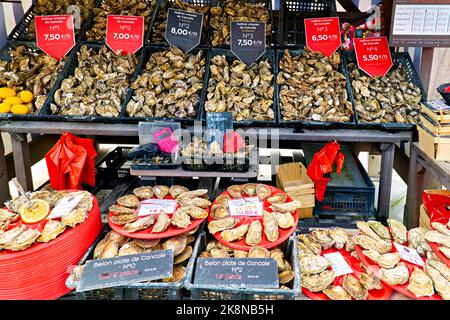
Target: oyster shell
[(223, 200), (397, 275), (337, 293), (350, 245), (240, 253), (249, 189), (270, 222), (177, 274), (420, 284), (437, 237), (441, 267), (183, 256), (285, 220), (176, 190), (263, 192), (22, 241), (190, 239), (192, 231), (235, 234), (313, 264), (380, 230), (162, 223), (181, 219), (202, 193), (387, 260), (130, 248), (258, 252), (219, 253), (278, 255), (354, 287), (195, 212), (303, 250), (147, 244), (416, 240), (445, 251), (310, 242), (120, 210), (254, 234), (235, 191), (319, 281), (161, 191), (398, 231), (370, 282), (110, 249), (278, 198), (442, 228), (285, 277), (441, 285), (211, 244), (219, 211), (177, 244), (368, 243), (197, 202), (143, 193), (129, 201), (99, 248), (339, 236), (365, 229), (140, 224), (221, 224), (75, 217), (224, 247), (286, 206), (321, 236), (51, 230), (123, 218)]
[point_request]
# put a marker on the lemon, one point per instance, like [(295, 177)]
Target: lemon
[(7, 92), (13, 100), (20, 109), (26, 96), (5, 107), (34, 211)]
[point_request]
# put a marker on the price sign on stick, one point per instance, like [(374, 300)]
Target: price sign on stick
[(323, 35), (248, 40), (55, 35), (373, 55), (124, 33), (183, 29)]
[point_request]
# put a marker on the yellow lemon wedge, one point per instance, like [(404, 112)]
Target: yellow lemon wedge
[(34, 211)]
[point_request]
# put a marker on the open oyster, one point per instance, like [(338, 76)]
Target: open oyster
[(354, 287), (24, 240), (130, 248), (368, 243), (416, 240), (235, 191), (177, 244), (249, 189), (337, 293), (420, 284), (195, 212), (75, 217), (441, 285), (143, 193), (124, 218), (339, 236), (176, 190), (181, 219), (397, 275), (162, 223), (270, 222), (441, 267), (350, 245), (223, 200), (387, 260), (445, 251), (235, 234), (366, 230), (263, 191), (285, 220), (286, 206), (254, 234), (319, 281), (183, 256), (161, 191), (313, 264), (52, 229), (442, 228), (437, 237), (258, 252), (398, 231), (140, 224), (129, 201), (370, 282), (221, 224), (309, 241), (380, 230), (219, 211), (120, 210), (278, 198), (321, 236), (303, 250)]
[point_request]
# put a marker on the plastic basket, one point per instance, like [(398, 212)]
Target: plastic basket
[(310, 123), (397, 58), (204, 292), (149, 50), (351, 193), (68, 70), (157, 19), (291, 27), (270, 55)]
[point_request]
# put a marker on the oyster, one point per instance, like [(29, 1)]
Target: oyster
[(99, 248), (219, 211), (278, 255), (190, 239), (354, 287), (369, 243), (195, 212), (441, 267), (339, 236), (161, 191), (370, 282), (337, 293), (22, 241), (183, 256), (441, 285), (420, 284), (129, 201), (221, 224), (192, 231), (313, 264), (270, 222), (235, 234), (123, 219), (285, 276), (365, 229), (303, 250), (235, 191), (437, 237), (442, 228), (417, 240), (286, 206), (177, 274), (319, 281), (181, 219), (278, 198), (397, 275), (177, 244), (254, 234), (263, 192), (285, 220), (75, 217), (51, 230), (197, 202), (386, 260), (130, 248), (140, 224), (249, 189), (240, 253), (120, 210), (143, 193), (110, 249), (322, 238), (380, 230), (146, 244), (445, 251), (219, 253), (223, 200), (350, 245), (162, 223), (398, 231), (310, 242), (202, 193), (176, 190), (224, 247), (258, 252)]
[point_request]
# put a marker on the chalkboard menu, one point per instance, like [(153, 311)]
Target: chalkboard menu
[(217, 124), (248, 40), (183, 29)]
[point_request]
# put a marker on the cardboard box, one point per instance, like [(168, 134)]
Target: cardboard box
[(435, 146), (424, 219)]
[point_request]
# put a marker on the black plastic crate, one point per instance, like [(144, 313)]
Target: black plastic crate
[(114, 165), (270, 55), (350, 193), (310, 123), (398, 58), (204, 41), (291, 27), (205, 292), (69, 70), (148, 51)]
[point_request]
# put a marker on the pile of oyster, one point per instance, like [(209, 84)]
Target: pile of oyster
[(30, 69), (312, 88), (215, 249), (235, 229), (199, 147), (192, 205), (58, 7), (245, 92), (170, 85), (231, 10), (392, 98), (441, 237), (20, 238), (375, 240), (159, 26), (140, 8), (97, 85)]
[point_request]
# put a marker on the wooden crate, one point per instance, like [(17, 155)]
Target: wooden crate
[(435, 146), (424, 219)]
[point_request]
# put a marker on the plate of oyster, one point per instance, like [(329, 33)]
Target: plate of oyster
[(188, 210), (319, 280), (276, 222), (429, 281), (439, 241)]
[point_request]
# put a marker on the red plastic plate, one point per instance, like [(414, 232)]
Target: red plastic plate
[(382, 294), (241, 245), (372, 266), (147, 235), (438, 252)]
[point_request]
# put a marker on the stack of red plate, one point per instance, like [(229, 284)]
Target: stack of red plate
[(40, 272)]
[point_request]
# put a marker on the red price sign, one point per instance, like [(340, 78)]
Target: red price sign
[(55, 34), (323, 35), (124, 33), (373, 55)]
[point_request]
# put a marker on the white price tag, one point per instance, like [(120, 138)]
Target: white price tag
[(338, 264), (156, 206), (250, 207), (65, 206), (409, 254)]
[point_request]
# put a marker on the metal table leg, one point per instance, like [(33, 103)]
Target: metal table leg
[(4, 187), (22, 161), (387, 166)]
